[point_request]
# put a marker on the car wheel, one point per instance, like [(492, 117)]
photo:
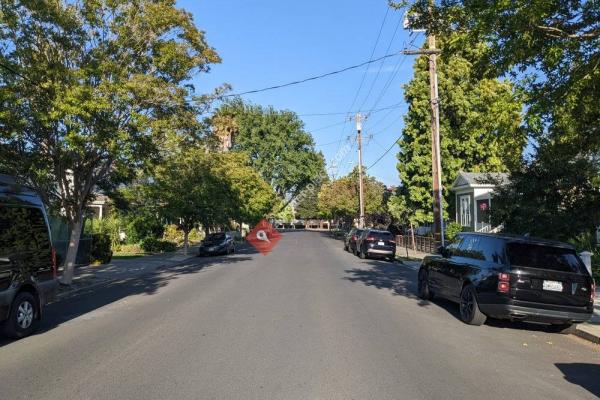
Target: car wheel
[(423, 289), (23, 318), (469, 309), (391, 258), (563, 328)]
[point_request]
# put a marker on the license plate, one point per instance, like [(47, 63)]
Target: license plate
[(381, 243), (553, 286)]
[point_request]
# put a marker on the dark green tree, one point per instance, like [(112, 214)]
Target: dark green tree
[(480, 128)]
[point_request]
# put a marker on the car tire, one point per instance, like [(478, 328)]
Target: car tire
[(391, 258), (423, 288), (23, 317), (469, 308)]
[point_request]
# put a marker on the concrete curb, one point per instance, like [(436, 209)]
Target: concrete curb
[(584, 334)]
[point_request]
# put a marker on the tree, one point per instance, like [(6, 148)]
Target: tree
[(556, 195), (339, 198), (86, 89), (551, 50), (279, 148), (194, 187), (479, 127)]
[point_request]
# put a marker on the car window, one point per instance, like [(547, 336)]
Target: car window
[(470, 247), (493, 250), (215, 237), (544, 257), (24, 237), (381, 235), (452, 248)]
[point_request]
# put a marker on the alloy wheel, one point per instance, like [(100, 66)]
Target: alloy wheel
[(25, 315)]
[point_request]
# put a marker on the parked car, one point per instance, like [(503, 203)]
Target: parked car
[(217, 243), (350, 239), (510, 277), (376, 243), (28, 265)]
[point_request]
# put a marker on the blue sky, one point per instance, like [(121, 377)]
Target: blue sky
[(268, 42)]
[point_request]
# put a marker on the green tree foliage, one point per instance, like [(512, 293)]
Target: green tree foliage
[(194, 187), (88, 88), (479, 128), (556, 195), (551, 49), (307, 203), (339, 198), (278, 146)]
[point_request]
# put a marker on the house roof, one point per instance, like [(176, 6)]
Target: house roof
[(472, 179)]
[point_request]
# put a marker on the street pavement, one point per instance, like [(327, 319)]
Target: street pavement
[(308, 321)]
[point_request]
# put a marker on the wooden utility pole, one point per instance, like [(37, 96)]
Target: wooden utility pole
[(436, 168), (361, 201)]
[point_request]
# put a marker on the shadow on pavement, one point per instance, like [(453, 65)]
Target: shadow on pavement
[(585, 375), (149, 283)]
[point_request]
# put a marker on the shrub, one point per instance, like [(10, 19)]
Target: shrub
[(138, 227), (130, 249), (173, 234), (453, 229), (101, 251), (153, 245), (110, 226)]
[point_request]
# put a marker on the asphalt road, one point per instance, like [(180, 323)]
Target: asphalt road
[(308, 321)]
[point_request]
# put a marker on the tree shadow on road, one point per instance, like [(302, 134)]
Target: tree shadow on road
[(85, 301), (585, 375)]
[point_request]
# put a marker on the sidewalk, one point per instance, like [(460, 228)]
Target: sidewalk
[(89, 276), (591, 329)]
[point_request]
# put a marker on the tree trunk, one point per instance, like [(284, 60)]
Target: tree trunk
[(186, 243), (71, 258), (206, 231), (412, 235)]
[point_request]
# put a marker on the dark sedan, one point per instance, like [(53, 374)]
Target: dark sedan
[(217, 243)]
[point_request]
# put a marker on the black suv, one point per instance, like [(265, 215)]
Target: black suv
[(217, 243), (27, 260), (510, 277), (376, 243)]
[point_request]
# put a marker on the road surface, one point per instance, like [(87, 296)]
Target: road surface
[(308, 321)]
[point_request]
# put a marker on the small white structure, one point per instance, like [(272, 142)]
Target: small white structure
[(473, 192)]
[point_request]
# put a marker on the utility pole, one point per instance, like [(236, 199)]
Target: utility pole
[(436, 168), (361, 201)]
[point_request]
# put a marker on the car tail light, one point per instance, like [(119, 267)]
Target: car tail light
[(354, 237), (54, 263), (370, 238), (503, 282), (392, 242)]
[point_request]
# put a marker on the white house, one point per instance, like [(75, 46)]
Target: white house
[(473, 192)]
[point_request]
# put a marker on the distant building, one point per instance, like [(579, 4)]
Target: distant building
[(473, 192), (99, 207)]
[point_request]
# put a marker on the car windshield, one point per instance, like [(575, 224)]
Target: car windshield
[(544, 257), (215, 237)]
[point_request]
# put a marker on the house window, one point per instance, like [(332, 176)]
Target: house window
[(465, 210)]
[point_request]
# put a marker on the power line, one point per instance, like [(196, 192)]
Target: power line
[(380, 65), (383, 155), (351, 112), (312, 78), (387, 10)]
